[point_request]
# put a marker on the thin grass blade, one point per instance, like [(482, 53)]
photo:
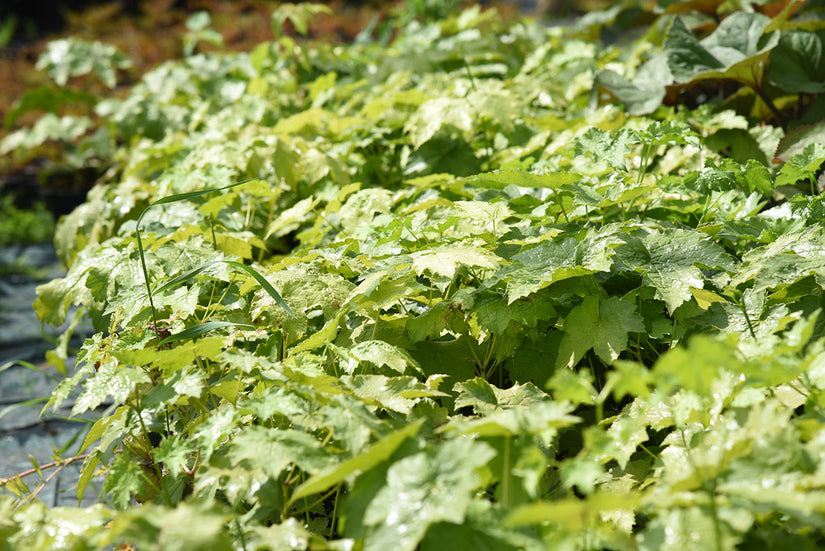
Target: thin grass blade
[(163, 201), (183, 278), (189, 195), (264, 283), (202, 328)]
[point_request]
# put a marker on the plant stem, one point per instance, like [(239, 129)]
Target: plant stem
[(769, 102), (148, 284), (747, 318), (334, 512), (505, 475), (59, 463)]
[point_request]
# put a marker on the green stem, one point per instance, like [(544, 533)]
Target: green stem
[(505, 475), (334, 512), (561, 206), (241, 537), (148, 284), (769, 102), (747, 318)]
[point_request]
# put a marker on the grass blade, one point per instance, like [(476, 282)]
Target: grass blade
[(163, 201), (202, 328), (189, 195), (183, 278), (264, 283)]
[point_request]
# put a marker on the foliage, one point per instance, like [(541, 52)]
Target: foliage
[(434, 296), (34, 225)]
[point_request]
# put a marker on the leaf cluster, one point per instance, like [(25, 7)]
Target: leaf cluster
[(432, 296)]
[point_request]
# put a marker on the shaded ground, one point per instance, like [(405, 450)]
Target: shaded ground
[(26, 381)]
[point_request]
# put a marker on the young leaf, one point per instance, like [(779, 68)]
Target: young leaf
[(611, 147)]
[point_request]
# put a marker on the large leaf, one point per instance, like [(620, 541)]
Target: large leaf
[(554, 261), (640, 95), (422, 489), (797, 63), (738, 49), (500, 179), (600, 325), (445, 260), (671, 262)]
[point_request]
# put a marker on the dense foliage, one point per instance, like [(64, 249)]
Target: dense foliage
[(450, 293), (34, 225)]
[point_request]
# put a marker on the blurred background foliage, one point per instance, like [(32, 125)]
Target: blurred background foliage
[(146, 33)]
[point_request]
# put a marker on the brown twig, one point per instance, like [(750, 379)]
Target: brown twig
[(59, 463)]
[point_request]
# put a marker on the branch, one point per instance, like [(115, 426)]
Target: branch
[(59, 463)]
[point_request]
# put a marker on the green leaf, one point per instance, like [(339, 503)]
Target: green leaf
[(125, 479), (300, 15), (756, 177), (155, 526), (377, 453), (602, 325), (477, 393), (696, 366), (572, 514), (433, 114), (497, 315), (670, 262), (422, 489), (322, 338), (797, 64), (738, 49), (802, 166), (499, 179), (392, 393), (380, 353), (72, 57), (554, 261), (445, 260), (685, 55), (611, 147), (264, 283), (273, 450), (429, 325), (486, 398), (640, 96), (289, 534), (109, 380), (175, 453)]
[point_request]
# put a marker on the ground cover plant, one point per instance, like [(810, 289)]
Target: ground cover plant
[(471, 284)]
